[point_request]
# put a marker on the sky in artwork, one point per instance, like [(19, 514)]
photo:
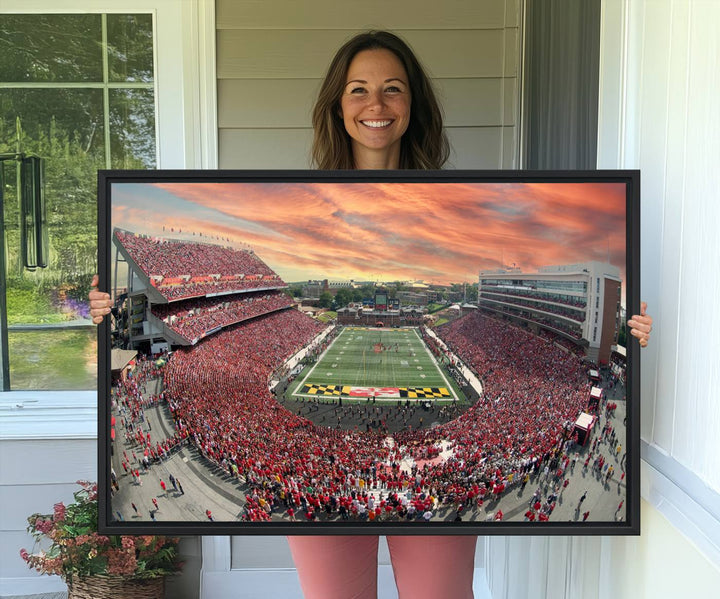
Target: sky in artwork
[(440, 233)]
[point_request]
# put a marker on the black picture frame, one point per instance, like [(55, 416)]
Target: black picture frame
[(604, 219)]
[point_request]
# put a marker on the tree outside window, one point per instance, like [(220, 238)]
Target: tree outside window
[(77, 90)]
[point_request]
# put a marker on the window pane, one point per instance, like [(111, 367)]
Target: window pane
[(53, 359), (65, 127), (132, 128), (130, 47), (51, 344), (73, 115), (50, 48)]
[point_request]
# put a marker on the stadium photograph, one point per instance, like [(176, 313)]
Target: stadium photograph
[(390, 355)]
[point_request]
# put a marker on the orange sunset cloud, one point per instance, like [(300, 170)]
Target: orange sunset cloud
[(437, 232)]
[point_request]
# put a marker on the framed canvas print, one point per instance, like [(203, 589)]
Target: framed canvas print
[(395, 352)]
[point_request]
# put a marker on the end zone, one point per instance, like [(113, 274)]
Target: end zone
[(381, 393)]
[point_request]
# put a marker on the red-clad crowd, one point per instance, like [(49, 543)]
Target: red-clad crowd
[(218, 394), (130, 403), (531, 391), (194, 319), (183, 269), (219, 397)]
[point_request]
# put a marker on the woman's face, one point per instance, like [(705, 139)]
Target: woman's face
[(375, 107)]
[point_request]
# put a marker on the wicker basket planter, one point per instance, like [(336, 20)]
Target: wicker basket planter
[(116, 587), (70, 546)]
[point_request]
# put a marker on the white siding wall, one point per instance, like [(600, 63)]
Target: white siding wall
[(47, 443), (659, 86), (36, 472), (672, 128), (271, 57)]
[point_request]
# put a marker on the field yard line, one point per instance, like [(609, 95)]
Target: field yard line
[(319, 359), (434, 361)]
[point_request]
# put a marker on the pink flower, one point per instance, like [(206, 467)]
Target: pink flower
[(53, 565), (86, 553), (121, 562), (44, 526), (59, 512), (128, 543)]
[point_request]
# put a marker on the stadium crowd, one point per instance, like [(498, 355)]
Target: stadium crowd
[(194, 319), (224, 408), (217, 392), (183, 269), (130, 399), (532, 391)]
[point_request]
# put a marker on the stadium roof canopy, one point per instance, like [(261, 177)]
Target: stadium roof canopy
[(619, 349), (585, 421), (120, 358)]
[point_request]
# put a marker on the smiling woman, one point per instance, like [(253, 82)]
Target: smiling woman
[(364, 105), (375, 107)]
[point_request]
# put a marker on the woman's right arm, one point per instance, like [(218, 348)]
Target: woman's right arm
[(100, 302)]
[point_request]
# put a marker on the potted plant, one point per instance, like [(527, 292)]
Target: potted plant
[(93, 565)]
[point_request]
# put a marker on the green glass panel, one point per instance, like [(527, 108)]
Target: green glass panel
[(132, 128), (44, 48), (130, 48), (70, 114), (53, 359), (65, 127)]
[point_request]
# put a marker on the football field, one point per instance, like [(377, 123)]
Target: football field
[(386, 364)]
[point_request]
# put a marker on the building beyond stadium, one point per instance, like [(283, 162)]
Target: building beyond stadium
[(578, 302)]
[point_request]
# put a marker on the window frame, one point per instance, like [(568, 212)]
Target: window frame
[(186, 138), (671, 487), (185, 122)]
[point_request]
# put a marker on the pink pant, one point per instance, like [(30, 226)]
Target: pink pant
[(345, 567)]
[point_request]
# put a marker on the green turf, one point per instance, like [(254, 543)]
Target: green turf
[(352, 360)]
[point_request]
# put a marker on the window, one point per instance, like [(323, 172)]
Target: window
[(78, 90)]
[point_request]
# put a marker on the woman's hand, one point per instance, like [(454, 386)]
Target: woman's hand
[(100, 302), (641, 325)]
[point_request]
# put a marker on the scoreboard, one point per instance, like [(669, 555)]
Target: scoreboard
[(381, 301)]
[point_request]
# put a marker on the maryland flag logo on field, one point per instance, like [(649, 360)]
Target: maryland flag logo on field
[(326, 389), (424, 392)]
